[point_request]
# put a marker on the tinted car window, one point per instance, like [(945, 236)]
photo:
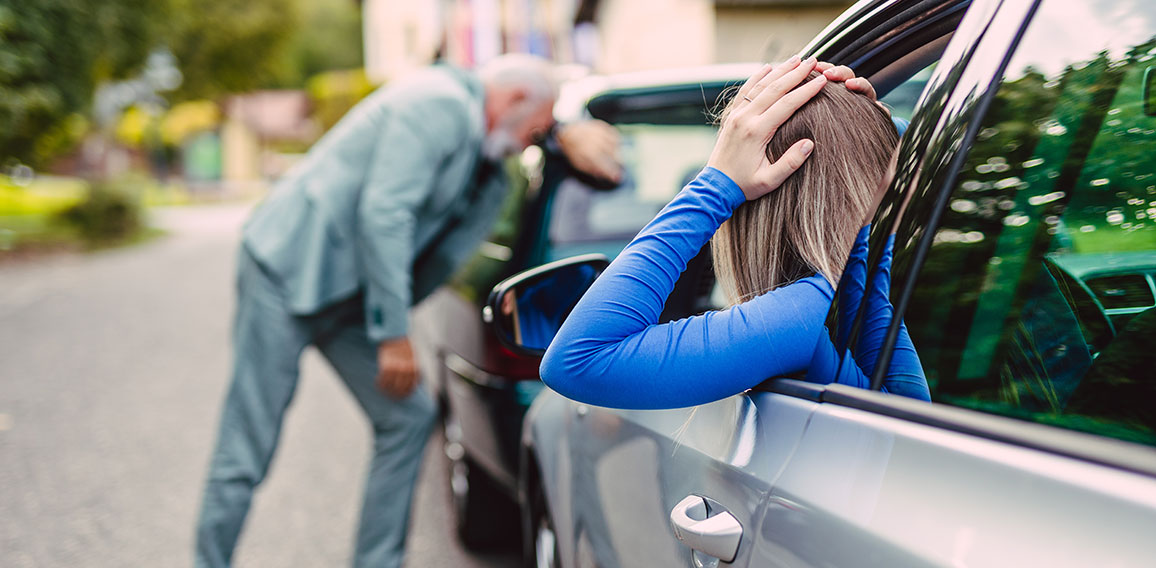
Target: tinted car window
[(1122, 291), (901, 100), (1035, 300), (489, 264)]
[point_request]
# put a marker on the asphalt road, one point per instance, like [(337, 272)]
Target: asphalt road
[(112, 370)]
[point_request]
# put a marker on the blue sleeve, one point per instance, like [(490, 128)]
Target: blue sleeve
[(905, 376), (612, 351), (851, 288), (901, 124)]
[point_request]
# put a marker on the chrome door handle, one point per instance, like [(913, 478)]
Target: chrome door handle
[(716, 535)]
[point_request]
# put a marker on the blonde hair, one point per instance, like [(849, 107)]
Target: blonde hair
[(808, 225)]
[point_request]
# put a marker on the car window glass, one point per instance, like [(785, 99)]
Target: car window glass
[(901, 100), (1036, 300), (489, 265), (659, 160)]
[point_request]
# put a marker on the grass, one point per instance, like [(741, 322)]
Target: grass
[(30, 214), (34, 231), (44, 196)]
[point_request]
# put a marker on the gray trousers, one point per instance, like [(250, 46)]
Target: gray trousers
[(268, 342)]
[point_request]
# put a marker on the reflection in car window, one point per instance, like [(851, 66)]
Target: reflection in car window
[(901, 100), (1043, 265), (1123, 292), (659, 160)]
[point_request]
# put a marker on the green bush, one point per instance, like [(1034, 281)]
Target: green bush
[(107, 214)]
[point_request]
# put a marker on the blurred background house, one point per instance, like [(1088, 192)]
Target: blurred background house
[(254, 124), (609, 36), (163, 102)]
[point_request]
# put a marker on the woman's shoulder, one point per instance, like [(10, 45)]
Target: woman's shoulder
[(812, 282)]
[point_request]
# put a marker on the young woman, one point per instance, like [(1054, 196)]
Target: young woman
[(797, 168)]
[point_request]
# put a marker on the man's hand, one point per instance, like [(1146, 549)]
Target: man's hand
[(396, 369), (591, 146)]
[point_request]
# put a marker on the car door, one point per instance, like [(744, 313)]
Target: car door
[(552, 212), (628, 474), (1039, 448)]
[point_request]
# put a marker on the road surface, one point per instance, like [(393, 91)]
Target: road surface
[(112, 370)]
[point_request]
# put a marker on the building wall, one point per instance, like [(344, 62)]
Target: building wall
[(400, 36), (768, 33), (655, 34), (629, 35), (241, 152)]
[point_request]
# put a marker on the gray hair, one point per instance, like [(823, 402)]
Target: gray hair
[(521, 70)]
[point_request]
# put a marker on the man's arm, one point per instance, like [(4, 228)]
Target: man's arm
[(414, 141), (591, 147)]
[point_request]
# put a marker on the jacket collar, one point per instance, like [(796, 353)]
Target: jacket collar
[(468, 79), (473, 85)]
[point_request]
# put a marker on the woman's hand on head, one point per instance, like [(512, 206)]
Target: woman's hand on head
[(845, 75), (761, 106)]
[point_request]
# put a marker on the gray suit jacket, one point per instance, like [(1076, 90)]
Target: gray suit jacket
[(392, 181)]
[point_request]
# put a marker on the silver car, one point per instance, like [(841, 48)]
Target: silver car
[(1032, 138)]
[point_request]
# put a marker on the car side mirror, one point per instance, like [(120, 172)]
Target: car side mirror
[(527, 309)]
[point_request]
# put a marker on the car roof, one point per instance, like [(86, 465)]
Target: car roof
[(837, 26), (575, 94)]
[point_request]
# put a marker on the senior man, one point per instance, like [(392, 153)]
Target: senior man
[(379, 213)]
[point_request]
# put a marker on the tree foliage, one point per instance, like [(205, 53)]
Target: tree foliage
[(52, 54), (335, 92), (330, 42), (226, 46)]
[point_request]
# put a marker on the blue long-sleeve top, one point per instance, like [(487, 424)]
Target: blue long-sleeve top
[(611, 351)]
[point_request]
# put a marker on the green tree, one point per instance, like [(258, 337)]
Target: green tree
[(226, 46), (331, 41), (53, 53)]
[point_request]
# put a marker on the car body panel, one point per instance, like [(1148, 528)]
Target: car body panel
[(866, 489), (612, 476)]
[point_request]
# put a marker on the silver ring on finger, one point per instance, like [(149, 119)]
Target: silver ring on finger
[(748, 99)]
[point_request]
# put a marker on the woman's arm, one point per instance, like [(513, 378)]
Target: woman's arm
[(611, 351), (851, 288), (905, 375)]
